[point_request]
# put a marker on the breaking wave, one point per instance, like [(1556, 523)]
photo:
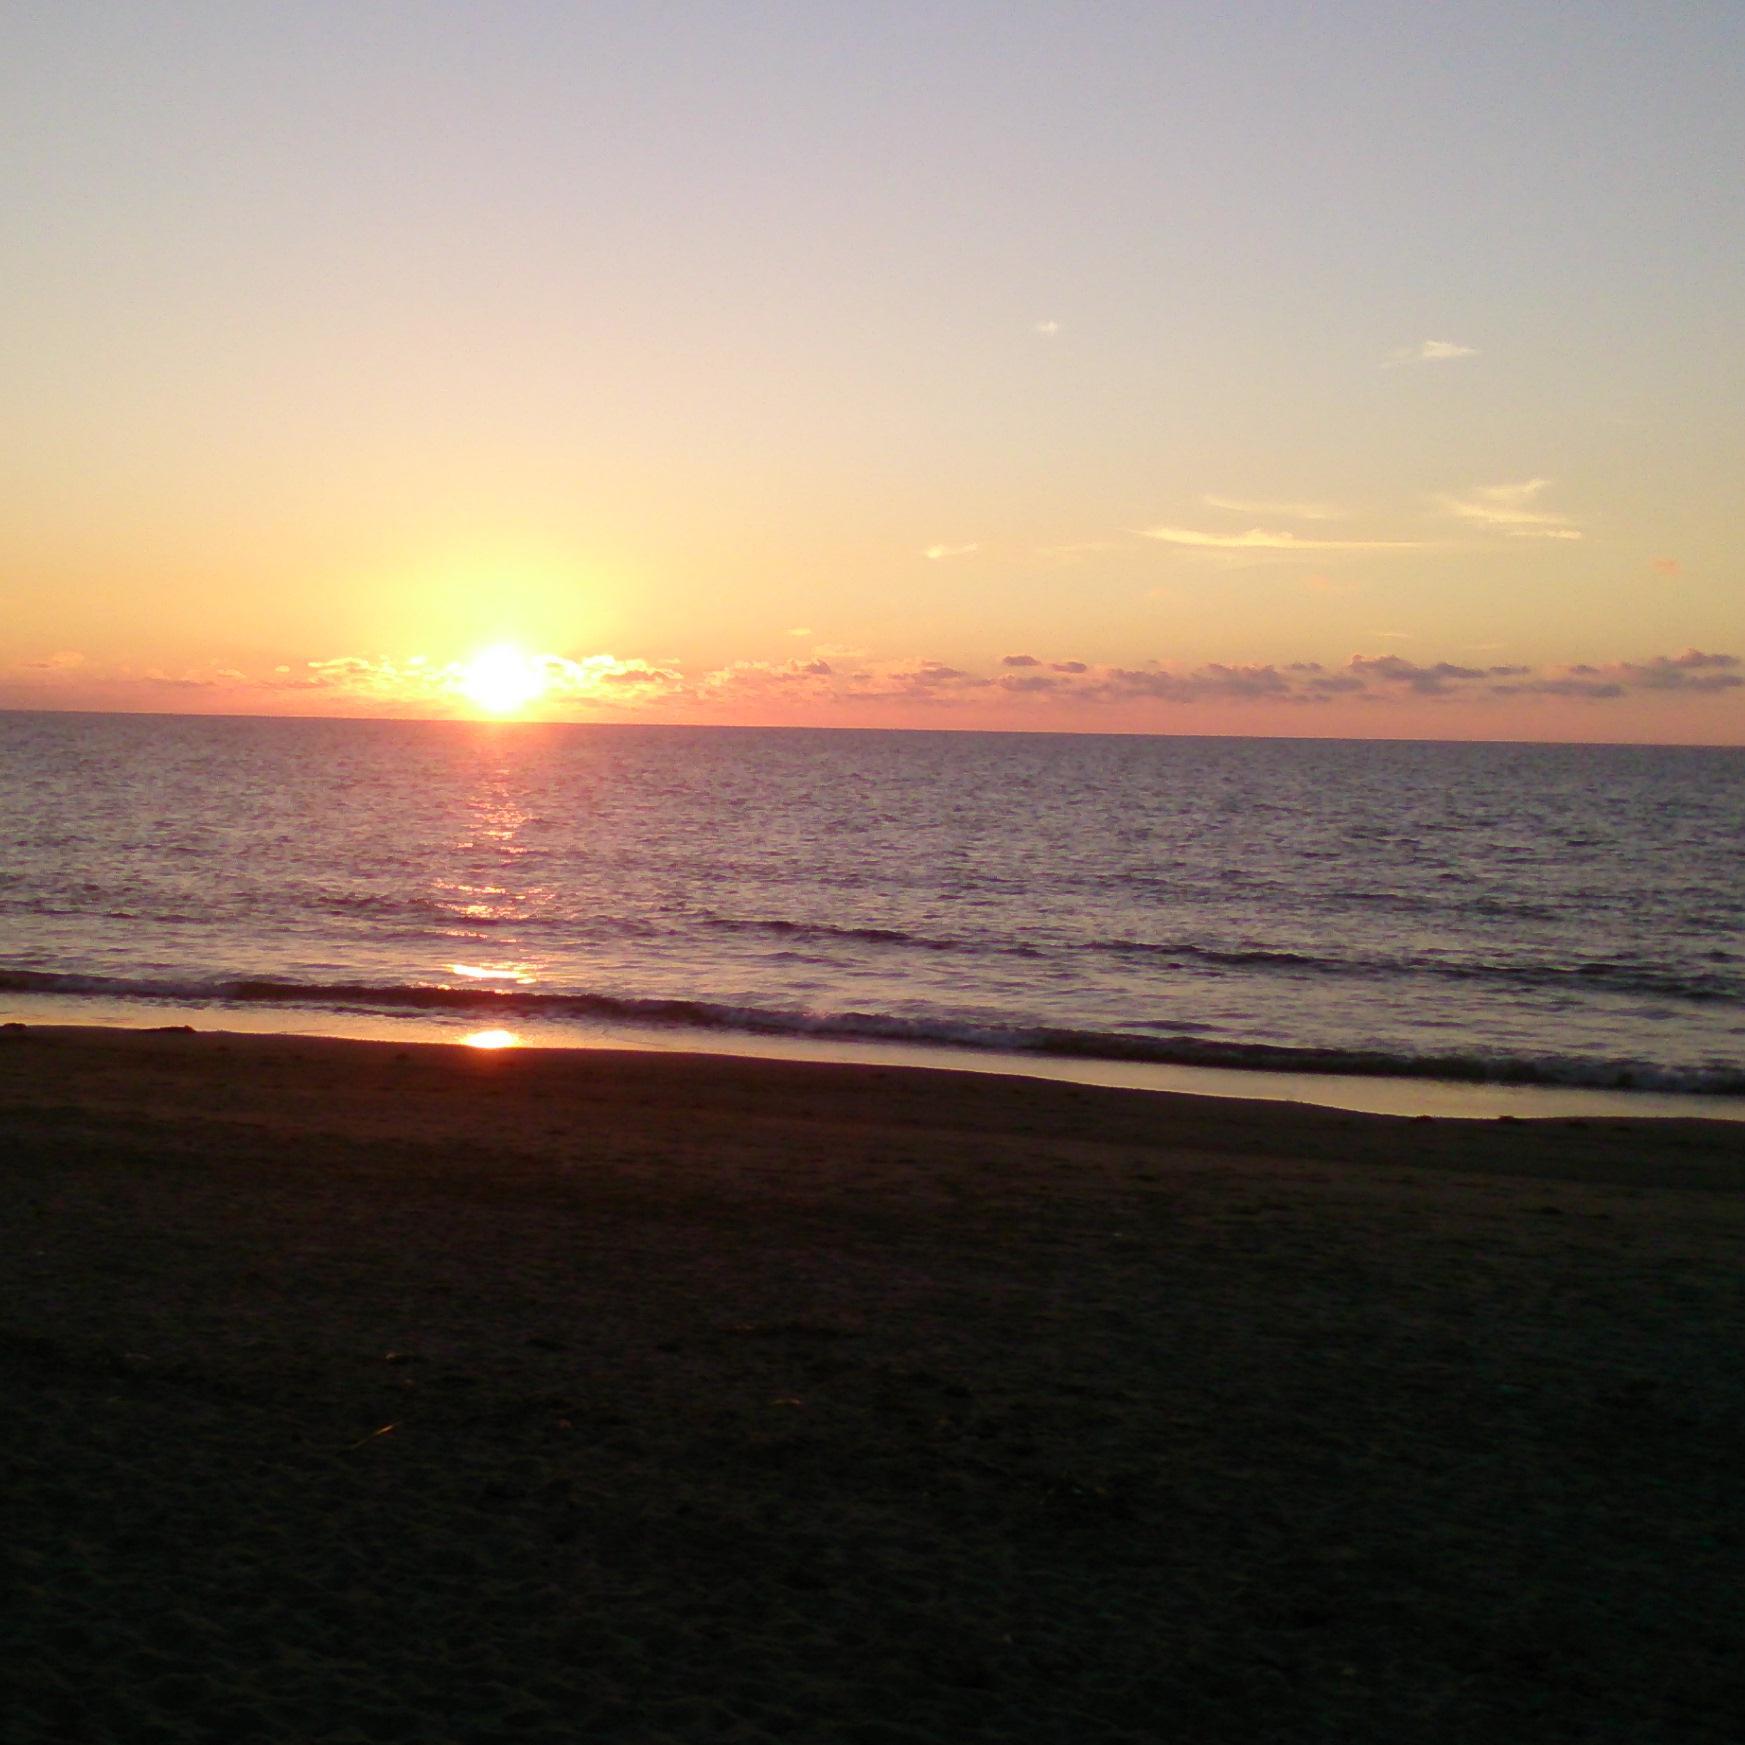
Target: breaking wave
[(1467, 1066)]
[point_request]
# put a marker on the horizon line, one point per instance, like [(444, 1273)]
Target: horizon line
[(498, 722)]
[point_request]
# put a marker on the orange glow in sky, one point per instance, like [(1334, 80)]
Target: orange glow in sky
[(704, 413)]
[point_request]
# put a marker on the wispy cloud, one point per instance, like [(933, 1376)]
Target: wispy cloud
[(1048, 329), (1667, 566), (1291, 510), (936, 552), (1429, 351), (1261, 539), (1510, 509)]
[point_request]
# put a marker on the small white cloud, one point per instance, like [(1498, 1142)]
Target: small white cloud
[(1430, 351), (936, 552), (1260, 539), (1048, 329)]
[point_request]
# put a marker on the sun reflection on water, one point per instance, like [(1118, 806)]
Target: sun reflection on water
[(476, 972)]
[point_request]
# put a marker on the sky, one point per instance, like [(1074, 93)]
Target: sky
[(1348, 369)]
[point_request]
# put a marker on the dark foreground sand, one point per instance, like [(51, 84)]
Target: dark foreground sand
[(360, 1393)]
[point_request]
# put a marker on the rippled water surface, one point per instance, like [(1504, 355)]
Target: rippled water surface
[(1532, 913)]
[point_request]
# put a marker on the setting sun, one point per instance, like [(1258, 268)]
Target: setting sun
[(502, 679)]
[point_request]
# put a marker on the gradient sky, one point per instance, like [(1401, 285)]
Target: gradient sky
[(1335, 368)]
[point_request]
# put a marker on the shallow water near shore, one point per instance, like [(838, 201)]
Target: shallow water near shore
[(1373, 925)]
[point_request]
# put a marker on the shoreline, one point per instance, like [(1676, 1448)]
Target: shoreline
[(403, 1391), (1379, 1093)]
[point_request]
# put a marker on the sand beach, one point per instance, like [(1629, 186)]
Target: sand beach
[(356, 1392)]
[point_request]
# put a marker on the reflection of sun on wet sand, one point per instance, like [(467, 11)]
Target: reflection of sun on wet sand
[(425, 1393)]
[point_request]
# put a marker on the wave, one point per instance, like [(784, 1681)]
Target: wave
[(1473, 1066), (825, 932), (1639, 980)]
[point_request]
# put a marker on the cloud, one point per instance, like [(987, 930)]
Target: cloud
[(1432, 680), (635, 675), (1593, 690), (1215, 681), (1048, 329), (1260, 539), (1667, 566), (936, 552), (801, 630), (936, 675), (597, 677), (1510, 509), (918, 681), (1431, 351), (1290, 510), (1396, 669), (762, 678), (1691, 671), (177, 681), (63, 660), (824, 688), (1374, 677)]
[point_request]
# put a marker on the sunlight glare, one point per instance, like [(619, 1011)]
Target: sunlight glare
[(478, 973), (491, 1039), (502, 679)]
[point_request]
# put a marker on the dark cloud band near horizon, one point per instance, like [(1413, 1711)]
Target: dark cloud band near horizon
[(621, 687)]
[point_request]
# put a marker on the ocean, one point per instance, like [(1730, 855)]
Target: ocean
[(1421, 913)]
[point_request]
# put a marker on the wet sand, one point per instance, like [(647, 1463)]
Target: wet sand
[(355, 1393)]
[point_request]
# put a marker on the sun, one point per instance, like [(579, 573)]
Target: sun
[(502, 679)]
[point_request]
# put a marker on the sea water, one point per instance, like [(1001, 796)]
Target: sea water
[(1516, 914)]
